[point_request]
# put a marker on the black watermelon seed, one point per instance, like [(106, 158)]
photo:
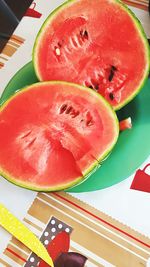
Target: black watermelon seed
[(69, 110), (91, 87), (63, 108), (81, 33), (113, 68), (86, 34), (112, 73), (59, 45), (111, 95), (96, 87)]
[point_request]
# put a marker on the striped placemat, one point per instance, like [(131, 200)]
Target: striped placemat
[(10, 48), (103, 240)]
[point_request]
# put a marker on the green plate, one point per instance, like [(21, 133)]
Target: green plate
[(133, 146)]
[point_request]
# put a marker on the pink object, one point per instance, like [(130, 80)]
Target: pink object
[(141, 180), (31, 12)]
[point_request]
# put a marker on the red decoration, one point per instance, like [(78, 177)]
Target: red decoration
[(141, 180), (59, 244), (31, 12)]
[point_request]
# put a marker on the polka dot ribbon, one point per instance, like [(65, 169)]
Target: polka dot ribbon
[(53, 228)]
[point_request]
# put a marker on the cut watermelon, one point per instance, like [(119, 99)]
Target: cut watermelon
[(99, 44), (53, 134), (125, 124)]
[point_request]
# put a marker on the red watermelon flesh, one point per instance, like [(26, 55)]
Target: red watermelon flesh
[(99, 44), (53, 134)]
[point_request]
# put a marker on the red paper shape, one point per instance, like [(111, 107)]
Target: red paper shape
[(59, 244), (141, 180), (31, 12)]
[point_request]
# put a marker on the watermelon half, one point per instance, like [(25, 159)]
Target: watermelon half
[(53, 134), (96, 43)]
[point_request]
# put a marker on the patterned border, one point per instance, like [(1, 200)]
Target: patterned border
[(96, 235)]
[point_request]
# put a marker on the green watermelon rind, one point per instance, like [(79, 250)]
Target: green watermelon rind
[(138, 26), (93, 166)]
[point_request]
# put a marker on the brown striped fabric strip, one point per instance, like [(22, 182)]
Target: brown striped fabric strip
[(20, 245), (18, 39), (96, 235), (17, 251), (33, 224), (13, 43), (4, 263)]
